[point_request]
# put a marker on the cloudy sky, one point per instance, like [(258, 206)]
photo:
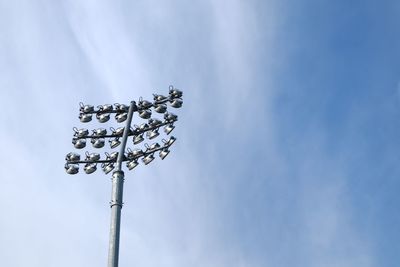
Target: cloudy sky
[(288, 141)]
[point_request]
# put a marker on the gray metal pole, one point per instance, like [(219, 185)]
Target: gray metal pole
[(117, 194)]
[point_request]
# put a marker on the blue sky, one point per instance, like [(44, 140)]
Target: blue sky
[(287, 151)]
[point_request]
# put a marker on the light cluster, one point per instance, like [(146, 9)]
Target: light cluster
[(149, 129)]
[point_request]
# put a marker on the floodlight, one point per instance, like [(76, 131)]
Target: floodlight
[(144, 104), (176, 103), (114, 143), (164, 152), (168, 128), (71, 168), (103, 117), (97, 142), (132, 154), (160, 108), (113, 156), (92, 156), (159, 97), (81, 132), (121, 107), (154, 122), (105, 108), (175, 92), (153, 146), (170, 116), (149, 158), (143, 127), (107, 167), (132, 164), (121, 117), (99, 132), (90, 168), (137, 139), (86, 108), (152, 134), (85, 117), (170, 141), (145, 113), (119, 131), (72, 157), (79, 143)]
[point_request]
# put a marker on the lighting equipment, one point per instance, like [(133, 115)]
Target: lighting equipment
[(168, 128), (121, 117), (81, 132), (92, 156), (99, 132), (107, 167), (114, 142), (97, 142), (176, 103), (145, 113), (90, 168), (132, 164), (164, 152), (79, 143), (102, 117), (72, 157), (160, 108), (86, 108), (175, 92), (170, 116), (159, 97), (144, 104), (133, 154), (147, 159), (85, 117), (105, 108), (71, 168), (170, 141), (121, 107), (152, 134), (137, 139)]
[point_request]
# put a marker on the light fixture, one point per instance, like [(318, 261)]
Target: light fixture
[(114, 143), (170, 116), (164, 152), (160, 108), (145, 113), (90, 168), (99, 132), (103, 117), (168, 128), (144, 104), (132, 164), (85, 117), (71, 168), (153, 146), (81, 132), (119, 131), (107, 167), (170, 141), (175, 92), (86, 108), (134, 154), (79, 143), (147, 159), (121, 117), (137, 139), (176, 103), (97, 142), (121, 107), (152, 134), (159, 97), (92, 156), (72, 157), (143, 127), (105, 108), (154, 122), (112, 157)]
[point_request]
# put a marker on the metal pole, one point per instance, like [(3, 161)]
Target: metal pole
[(117, 194)]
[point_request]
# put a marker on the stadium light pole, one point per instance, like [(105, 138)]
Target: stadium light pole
[(123, 112)]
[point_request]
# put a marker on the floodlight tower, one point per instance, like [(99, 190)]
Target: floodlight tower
[(114, 160)]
